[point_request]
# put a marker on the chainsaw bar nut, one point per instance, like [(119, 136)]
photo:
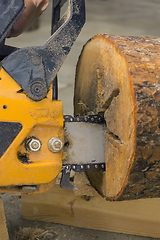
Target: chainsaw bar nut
[(55, 145), (33, 145)]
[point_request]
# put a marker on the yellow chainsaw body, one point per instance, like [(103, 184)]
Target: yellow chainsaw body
[(21, 170)]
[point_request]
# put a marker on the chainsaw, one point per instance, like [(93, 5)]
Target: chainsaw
[(37, 142)]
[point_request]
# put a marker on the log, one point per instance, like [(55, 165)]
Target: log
[(119, 78), (3, 227)]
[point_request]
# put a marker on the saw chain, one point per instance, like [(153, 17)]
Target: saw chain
[(66, 168)]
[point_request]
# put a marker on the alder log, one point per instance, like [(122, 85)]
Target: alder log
[(119, 78)]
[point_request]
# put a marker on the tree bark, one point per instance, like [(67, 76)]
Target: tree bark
[(119, 78)]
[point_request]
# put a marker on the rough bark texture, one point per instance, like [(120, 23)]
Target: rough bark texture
[(119, 77)]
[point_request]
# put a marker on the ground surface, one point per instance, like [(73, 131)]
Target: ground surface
[(120, 17)]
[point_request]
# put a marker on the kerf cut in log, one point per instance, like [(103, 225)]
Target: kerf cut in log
[(119, 78)]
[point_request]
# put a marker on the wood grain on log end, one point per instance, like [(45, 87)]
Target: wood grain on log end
[(117, 77)]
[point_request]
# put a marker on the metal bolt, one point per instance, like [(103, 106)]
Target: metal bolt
[(33, 145), (55, 144)]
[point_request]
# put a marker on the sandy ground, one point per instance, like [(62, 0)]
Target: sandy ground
[(120, 17)]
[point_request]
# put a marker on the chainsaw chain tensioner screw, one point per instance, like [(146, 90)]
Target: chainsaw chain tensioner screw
[(33, 145), (55, 144)]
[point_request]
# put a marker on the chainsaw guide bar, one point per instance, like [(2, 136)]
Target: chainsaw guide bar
[(84, 146)]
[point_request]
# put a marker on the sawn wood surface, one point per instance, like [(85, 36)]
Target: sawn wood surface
[(3, 226), (138, 217)]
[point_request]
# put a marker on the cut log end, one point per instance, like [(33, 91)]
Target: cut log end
[(106, 81), (105, 87)]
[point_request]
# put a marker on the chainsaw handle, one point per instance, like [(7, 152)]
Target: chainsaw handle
[(35, 68)]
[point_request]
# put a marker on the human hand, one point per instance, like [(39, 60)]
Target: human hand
[(34, 9)]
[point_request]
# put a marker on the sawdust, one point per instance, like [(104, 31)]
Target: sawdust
[(67, 144), (35, 234), (83, 185)]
